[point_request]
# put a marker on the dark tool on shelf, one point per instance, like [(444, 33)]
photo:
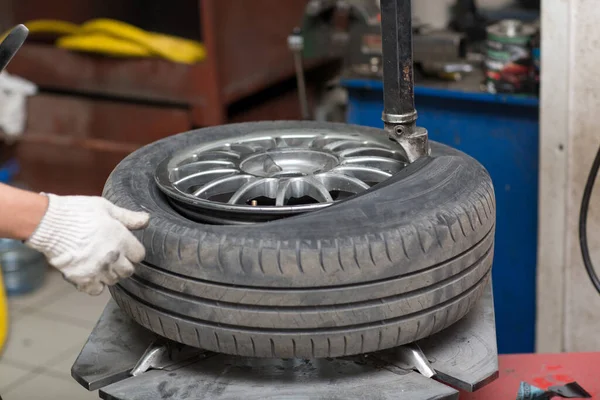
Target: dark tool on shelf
[(128, 362), (11, 44), (468, 20)]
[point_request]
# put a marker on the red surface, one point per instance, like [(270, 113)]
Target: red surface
[(543, 371)]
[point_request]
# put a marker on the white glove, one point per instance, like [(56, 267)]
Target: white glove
[(88, 240)]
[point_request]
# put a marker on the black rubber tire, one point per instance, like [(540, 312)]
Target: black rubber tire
[(395, 264)]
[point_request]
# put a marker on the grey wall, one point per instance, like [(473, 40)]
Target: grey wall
[(568, 306)]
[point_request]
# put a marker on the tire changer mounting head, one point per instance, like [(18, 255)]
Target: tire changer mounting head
[(399, 114)]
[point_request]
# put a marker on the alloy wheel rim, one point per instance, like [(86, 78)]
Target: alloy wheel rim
[(275, 175)]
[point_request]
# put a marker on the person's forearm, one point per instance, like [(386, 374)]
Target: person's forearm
[(20, 212)]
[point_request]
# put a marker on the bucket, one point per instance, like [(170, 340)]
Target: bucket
[(23, 269)]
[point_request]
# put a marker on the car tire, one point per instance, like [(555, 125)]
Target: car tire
[(394, 264)]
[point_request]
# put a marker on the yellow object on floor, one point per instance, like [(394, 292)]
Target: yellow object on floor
[(118, 39), (3, 314)]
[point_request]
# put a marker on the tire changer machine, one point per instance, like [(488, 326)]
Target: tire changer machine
[(127, 362)]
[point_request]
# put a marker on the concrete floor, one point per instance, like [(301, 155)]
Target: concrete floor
[(47, 330)]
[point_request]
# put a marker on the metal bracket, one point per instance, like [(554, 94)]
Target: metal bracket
[(163, 354), (413, 140), (415, 359)]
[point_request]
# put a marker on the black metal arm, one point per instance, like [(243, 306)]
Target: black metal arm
[(11, 44), (399, 114), (397, 38)]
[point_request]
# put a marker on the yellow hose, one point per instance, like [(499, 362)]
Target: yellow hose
[(171, 48), (3, 314), (47, 26), (103, 44), (51, 26), (117, 39)]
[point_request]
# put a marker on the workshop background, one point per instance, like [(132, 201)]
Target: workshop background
[(73, 107)]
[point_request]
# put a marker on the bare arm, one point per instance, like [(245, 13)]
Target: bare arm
[(20, 212)]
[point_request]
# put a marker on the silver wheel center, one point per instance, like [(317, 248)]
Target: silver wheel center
[(289, 163), (290, 172)]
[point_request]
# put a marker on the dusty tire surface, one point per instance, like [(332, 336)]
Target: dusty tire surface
[(397, 263)]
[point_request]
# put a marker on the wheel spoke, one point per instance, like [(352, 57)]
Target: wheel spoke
[(261, 143), (301, 187), (202, 178), (282, 190), (224, 155), (342, 183), (221, 186), (242, 149), (317, 190), (371, 152), (366, 174), (295, 140), (255, 188), (187, 170), (384, 164), (320, 142), (342, 145)]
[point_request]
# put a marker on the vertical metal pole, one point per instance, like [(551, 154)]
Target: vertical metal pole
[(296, 45), (398, 83), (301, 85), (399, 114)]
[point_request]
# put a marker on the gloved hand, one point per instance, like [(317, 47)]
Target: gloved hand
[(88, 240)]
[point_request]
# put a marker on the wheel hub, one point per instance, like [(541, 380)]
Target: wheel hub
[(289, 163), (258, 178)]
